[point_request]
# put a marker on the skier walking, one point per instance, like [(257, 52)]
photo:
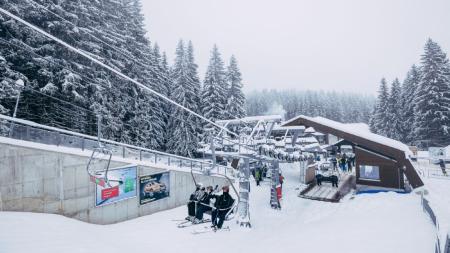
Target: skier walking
[(223, 205)]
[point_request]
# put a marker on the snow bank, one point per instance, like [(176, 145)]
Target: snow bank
[(385, 222)]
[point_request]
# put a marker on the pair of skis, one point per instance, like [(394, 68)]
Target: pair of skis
[(205, 229), (210, 229), (188, 223)]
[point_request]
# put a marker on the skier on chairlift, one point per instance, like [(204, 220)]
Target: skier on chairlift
[(197, 195), (223, 205), (204, 205)]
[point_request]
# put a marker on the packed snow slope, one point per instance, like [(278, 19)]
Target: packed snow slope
[(385, 222)]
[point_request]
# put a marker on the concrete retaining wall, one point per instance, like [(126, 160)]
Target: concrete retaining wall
[(39, 180)]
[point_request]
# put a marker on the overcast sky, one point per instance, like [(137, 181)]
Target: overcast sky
[(329, 45)]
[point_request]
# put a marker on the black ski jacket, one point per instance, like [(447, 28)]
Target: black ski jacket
[(224, 201)]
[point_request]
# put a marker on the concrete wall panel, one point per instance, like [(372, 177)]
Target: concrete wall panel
[(36, 180)]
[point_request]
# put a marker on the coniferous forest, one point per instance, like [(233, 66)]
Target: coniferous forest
[(57, 87), (338, 106), (417, 111), (60, 88)]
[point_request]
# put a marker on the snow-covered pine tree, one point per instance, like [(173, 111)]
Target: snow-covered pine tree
[(432, 99), (214, 89), (195, 85), (409, 89), (235, 107), (114, 32), (378, 122), (183, 137), (166, 80), (394, 121)]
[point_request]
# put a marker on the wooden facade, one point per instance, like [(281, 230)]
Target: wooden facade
[(393, 163)]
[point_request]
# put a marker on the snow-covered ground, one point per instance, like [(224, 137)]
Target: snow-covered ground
[(384, 222)]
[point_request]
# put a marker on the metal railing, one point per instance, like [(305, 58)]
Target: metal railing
[(438, 173), (427, 209), (30, 131)]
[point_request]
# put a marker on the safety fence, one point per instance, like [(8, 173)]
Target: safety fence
[(438, 173), (30, 131), (427, 209)]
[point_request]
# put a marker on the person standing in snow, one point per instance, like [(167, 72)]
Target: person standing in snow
[(258, 176), (223, 205), (349, 164), (442, 165), (343, 162), (281, 178)]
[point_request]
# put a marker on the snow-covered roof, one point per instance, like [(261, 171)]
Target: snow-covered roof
[(357, 131), (310, 130), (284, 128), (251, 119)]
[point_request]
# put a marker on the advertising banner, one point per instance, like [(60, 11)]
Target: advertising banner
[(122, 186), (154, 187)]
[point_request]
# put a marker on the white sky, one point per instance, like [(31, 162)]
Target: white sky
[(316, 44)]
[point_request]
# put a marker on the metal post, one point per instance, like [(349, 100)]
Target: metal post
[(274, 203), (140, 154), (244, 194), (99, 130), (14, 115), (156, 158), (168, 160), (213, 152)]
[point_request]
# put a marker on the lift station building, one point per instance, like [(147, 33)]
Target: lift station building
[(380, 162)]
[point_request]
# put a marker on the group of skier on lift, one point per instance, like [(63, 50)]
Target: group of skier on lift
[(204, 200)]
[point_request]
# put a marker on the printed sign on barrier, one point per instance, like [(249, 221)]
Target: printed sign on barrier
[(122, 186), (154, 187)]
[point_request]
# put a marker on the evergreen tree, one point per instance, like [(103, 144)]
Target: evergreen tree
[(409, 89), (378, 122), (394, 120), (235, 107), (432, 100), (214, 89), (112, 31), (194, 83), (183, 137)]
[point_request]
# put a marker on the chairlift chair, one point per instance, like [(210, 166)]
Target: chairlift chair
[(231, 214), (99, 175)]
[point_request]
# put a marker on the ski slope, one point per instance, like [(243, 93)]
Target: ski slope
[(385, 222)]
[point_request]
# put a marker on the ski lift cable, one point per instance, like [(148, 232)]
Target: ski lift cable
[(82, 53), (26, 46), (117, 50), (89, 33)]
